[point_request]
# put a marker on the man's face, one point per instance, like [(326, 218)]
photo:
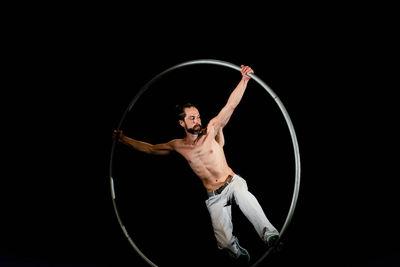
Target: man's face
[(192, 121)]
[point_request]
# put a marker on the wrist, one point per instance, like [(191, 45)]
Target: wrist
[(245, 80)]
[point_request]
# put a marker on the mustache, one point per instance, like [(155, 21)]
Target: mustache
[(197, 131)]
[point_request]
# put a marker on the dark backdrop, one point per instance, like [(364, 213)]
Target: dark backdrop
[(72, 83)]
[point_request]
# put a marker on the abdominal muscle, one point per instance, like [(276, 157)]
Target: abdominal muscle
[(207, 160)]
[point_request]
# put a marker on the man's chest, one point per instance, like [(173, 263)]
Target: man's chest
[(203, 149)]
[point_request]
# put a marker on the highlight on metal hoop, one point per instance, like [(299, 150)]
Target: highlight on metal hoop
[(284, 113)]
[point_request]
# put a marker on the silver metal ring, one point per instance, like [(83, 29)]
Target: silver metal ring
[(288, 122)]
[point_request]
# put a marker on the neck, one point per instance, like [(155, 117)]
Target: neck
[(191, 138)]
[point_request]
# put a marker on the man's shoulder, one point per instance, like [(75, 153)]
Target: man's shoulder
[(176, 142), (178, 145)]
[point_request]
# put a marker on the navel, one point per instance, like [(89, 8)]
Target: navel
[(211, 151)]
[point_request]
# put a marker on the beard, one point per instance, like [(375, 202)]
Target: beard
[(197, 129)]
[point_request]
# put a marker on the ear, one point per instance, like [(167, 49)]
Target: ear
[(182, 123)]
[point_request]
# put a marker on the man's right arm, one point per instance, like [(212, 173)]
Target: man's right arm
[(159, 149)]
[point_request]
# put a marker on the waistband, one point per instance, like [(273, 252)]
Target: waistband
[(220, 189)]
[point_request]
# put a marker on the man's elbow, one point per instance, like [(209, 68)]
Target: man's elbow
[(147, 149)]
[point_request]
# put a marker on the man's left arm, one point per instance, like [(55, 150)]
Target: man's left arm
[(234, 99)]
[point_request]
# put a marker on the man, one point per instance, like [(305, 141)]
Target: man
[(203, 150)]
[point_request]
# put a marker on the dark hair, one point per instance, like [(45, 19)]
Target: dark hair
[(180, 110)]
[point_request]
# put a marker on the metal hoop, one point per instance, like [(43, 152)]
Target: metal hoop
[(288, 122)]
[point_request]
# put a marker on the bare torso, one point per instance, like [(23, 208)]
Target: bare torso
[(207, 159)]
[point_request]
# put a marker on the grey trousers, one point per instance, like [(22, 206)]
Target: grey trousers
[(221, 217)]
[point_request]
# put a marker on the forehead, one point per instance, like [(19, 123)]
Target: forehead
[(192, 111)]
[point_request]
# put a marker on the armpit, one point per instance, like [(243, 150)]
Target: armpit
[(220, 137)]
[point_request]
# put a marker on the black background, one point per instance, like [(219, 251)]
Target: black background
[(70, 80)]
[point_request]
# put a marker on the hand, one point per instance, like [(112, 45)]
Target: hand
[(245, 70), (119, 134)]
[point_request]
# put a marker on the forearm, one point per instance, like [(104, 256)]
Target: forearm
[(234, 99), (135, 144), (237, 94)]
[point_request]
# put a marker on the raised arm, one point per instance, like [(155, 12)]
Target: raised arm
[(234, 99), (159, 149)]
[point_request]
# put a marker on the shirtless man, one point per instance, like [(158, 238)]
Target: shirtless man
[(203, 150)]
